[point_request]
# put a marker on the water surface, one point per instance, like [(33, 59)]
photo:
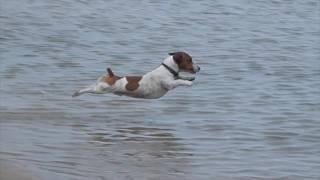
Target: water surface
[(253, 111)]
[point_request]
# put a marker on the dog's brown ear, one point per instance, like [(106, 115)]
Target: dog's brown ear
[(177, 57), (171, 54), (110, 72)]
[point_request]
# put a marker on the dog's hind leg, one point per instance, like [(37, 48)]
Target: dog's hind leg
[(98, 88), (103, 85), (89, 89)]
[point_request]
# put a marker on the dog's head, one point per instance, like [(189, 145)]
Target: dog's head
[(184, 62)]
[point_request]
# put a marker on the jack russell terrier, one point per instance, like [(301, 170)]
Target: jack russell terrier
[(152, 85)]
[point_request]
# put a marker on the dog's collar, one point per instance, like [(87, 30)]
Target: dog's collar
[(173, 72)]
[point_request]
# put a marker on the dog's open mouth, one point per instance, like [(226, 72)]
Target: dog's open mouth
[(188, 71)]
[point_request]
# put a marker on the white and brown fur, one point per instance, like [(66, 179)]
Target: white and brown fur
[(151, 85)]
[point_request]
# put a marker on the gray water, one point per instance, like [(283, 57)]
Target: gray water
[(252, 113)]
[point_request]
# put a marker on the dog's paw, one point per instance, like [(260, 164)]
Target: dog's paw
[(188, 83), (76, 94)]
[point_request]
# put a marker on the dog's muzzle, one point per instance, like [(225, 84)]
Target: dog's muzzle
[(196, 68)]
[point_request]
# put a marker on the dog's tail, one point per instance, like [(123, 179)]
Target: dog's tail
[(110, 72)]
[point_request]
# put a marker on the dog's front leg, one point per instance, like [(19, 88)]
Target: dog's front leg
[(175, 83)]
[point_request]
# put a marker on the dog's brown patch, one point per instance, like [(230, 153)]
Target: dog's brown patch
[(183, 60), (133, 82)]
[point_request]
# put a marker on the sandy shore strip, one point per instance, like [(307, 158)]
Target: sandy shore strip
[(14, 171)]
